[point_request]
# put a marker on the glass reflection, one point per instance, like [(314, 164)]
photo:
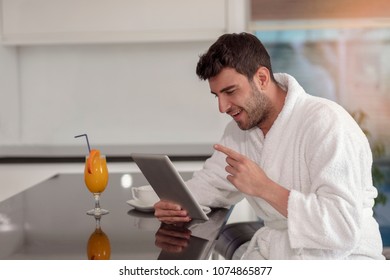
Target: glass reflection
[(98, 247), (6, 223), (177, 242), (173, 238), (126, 181)]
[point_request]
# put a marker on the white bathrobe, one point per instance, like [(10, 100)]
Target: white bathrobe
[(318, 152)]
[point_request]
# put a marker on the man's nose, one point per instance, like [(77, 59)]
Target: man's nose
[(223, 103)]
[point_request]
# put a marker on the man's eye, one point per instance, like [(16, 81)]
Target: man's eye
[(230, 92)]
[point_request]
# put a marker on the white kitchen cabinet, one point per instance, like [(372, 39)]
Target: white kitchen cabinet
[(27, 22)]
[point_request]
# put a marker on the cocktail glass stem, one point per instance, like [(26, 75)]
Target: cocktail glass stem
[(97, 219), (97, 201), (97, 211)]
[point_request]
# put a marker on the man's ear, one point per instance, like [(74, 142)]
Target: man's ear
[(262, 77)]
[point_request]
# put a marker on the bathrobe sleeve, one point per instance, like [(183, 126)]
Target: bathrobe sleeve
[(328, 213), (210, 185)]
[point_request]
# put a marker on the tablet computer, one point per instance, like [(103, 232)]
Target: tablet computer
[(167, 182)]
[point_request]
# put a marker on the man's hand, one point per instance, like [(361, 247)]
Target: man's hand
[(250, 179), (170, 213), (245, 174)]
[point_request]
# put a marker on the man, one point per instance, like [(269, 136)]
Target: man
[(301, 161)]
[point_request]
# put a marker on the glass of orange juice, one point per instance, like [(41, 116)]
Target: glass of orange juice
[(96, 179)]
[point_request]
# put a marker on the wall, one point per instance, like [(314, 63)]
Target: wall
[(57, 81), (118, 94), (9, 96)]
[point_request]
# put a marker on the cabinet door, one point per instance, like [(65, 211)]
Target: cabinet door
[(99, 21)]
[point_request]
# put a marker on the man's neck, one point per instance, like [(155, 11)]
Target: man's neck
[(277, 95)]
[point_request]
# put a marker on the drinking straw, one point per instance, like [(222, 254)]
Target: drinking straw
[(86, 136)]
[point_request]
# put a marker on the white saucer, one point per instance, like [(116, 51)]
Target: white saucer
[(140, 205)]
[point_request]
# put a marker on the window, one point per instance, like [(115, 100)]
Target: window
[(336, 49)]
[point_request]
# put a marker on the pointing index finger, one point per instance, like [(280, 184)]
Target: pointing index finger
[(227, 151)]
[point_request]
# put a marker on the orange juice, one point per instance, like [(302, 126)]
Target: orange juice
[(96, 178)]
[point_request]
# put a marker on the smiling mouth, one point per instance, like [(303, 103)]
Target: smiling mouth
[(233, 114)]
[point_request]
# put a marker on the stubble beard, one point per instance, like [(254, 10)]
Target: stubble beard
[(258, 109)]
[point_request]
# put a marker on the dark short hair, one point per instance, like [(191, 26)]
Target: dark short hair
[(243, 52)]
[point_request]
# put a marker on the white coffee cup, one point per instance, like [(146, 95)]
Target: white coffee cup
[(145, 194)]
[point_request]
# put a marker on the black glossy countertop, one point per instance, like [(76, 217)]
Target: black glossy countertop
[(49, 221)]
